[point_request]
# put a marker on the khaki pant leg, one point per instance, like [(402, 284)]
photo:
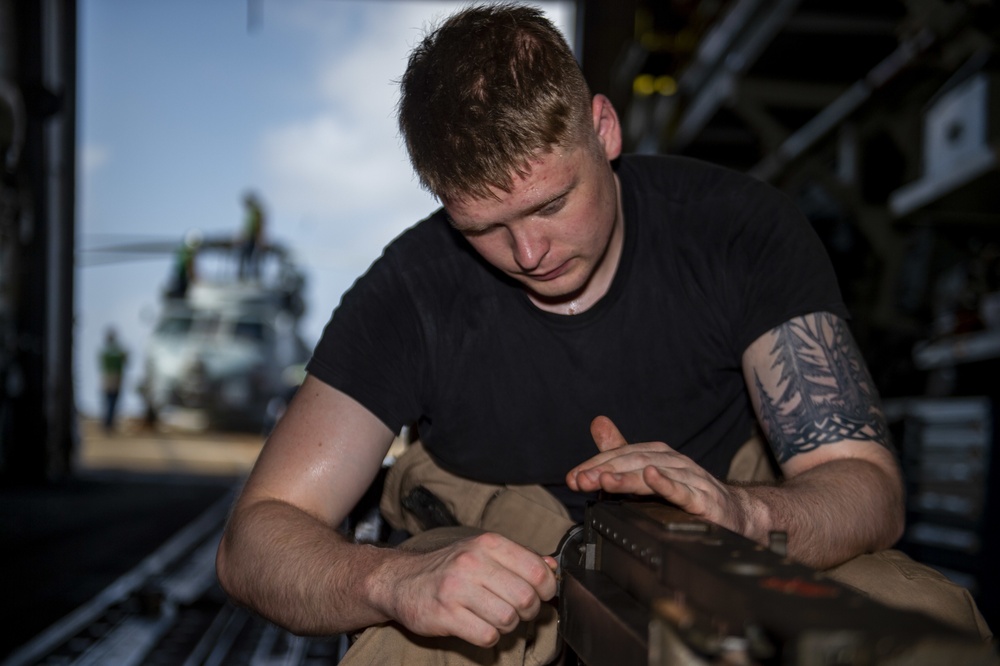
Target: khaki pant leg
[(892, 578), (752, 463), (889, 576), (391, 644), (532, 643), (528, 515)]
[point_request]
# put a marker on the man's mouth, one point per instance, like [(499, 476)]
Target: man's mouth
[(550, 275)]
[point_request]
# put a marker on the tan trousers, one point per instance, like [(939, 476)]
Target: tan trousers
[(532, 517)]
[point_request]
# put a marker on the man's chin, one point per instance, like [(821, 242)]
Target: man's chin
[(553, 295)]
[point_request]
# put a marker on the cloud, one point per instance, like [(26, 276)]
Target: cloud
[(342, 167), (354, 126), (328, 168)]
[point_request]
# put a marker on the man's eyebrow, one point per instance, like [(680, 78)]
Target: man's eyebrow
[(463, 228), (534, 208), (550, 200), (528, 210)]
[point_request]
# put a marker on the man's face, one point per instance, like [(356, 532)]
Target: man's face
[(558, 232)]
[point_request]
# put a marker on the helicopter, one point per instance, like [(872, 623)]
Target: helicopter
[(225, 353)]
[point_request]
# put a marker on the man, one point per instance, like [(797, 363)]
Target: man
[(184, 271), (112, 360), (564, 297), (253, 231)]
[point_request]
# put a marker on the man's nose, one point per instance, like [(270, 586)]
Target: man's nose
[(529, 246)]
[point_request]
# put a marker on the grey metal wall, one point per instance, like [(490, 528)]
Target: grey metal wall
[(37, 186)]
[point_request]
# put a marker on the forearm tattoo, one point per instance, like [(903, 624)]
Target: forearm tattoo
[(824, 392)]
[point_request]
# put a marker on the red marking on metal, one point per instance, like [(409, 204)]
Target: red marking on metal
[(798, 587)]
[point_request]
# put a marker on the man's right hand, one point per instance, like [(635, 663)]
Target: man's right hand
[(476, 589), (282, 556)]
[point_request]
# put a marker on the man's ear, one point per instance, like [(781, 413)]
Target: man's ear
[(607, 127)]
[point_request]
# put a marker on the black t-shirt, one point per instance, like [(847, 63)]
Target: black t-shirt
[(503, 392)]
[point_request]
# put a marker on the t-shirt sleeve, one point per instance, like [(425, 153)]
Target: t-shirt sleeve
[(784, 270), (370, 348)]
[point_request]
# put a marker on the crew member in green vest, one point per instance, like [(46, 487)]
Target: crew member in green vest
[(112, 359), (253, 230)]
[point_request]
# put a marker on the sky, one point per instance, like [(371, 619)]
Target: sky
[(185, 105)]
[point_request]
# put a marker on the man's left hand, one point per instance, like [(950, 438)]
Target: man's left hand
[(653, 468)]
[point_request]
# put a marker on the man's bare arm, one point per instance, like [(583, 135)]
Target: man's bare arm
[(842, 494), (282, 556), (281, 553), (820, 411)]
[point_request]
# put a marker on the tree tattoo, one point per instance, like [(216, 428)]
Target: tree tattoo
[(824, 392)]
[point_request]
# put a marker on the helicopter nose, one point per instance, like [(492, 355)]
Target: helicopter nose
[(196, 368)]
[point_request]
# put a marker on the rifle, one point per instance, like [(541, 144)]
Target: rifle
[(645, 583)]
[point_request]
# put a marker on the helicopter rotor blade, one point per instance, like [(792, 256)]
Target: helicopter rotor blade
[(121, 248)]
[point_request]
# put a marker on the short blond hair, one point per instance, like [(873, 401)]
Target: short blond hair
[(489, 89)]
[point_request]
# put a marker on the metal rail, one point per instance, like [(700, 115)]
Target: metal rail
[(169, 610)]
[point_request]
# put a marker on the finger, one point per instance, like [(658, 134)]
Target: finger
[(479, 611), (610, 470), (622, 483), (505, 599), (540, 575), (512, 604), (470, 627), (669, 488), (587, 477), (517, 568), (606, 434)]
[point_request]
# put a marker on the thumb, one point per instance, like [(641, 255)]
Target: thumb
[(606, 434)]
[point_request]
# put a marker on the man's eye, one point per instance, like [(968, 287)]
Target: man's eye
[(553, 207), (478, 231)]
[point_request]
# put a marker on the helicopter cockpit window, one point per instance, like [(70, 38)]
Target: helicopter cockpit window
[(249, 330), (174, 326), (206, 325)]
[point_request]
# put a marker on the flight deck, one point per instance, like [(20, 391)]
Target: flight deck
[(117, 564)]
